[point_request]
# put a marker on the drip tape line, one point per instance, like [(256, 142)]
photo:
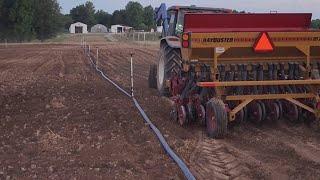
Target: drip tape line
[(183, 167)]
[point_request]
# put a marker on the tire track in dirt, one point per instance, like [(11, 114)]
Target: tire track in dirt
[(63, 69), (45, 63), (17, 61), (14, 56), (308, 150), (120, 64), (85, 64), (144, 52), (212, 160), (42, 63), (277, 151), (141, 61)]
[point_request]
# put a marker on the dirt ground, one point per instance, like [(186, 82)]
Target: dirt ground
[(60, 120)]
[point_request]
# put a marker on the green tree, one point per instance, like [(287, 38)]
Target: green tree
[(48, 19), (5, 24), (84, 13), (16, 17), (103, 17), (22, 20), (1, 6), (237, 12), (148, 19), (22, 17), (66, 20), (315, 24), (134, 14), (119, 17), (91, 11)]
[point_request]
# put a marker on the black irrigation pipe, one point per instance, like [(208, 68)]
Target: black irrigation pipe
[(187, 173)]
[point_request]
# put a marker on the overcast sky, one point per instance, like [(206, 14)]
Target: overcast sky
[(312, 6)]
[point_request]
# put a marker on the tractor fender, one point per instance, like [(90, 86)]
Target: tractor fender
[(172, 41)]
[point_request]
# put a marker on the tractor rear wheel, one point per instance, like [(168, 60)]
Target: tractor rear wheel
[(169, 61), (216, 118), (152, 80)]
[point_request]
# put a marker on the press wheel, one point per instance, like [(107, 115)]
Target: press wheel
[(174, 113), (255, 113), (273, 112), (216, 118), (291, 112), (182, 115)]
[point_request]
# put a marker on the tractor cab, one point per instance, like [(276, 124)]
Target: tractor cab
[(176, 16)]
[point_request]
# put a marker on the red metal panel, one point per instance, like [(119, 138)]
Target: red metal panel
[(247, 22)]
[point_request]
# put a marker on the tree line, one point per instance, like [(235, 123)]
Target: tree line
[(134, 15), (24, 20), (315, 24)]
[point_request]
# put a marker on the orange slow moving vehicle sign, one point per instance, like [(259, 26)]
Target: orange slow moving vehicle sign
[(263, 44)]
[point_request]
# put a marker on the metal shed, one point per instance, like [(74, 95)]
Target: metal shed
[(99, 28), (120, 28), (78, 27)]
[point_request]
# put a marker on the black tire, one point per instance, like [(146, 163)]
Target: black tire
[(245, 110), (216, 118), (152, 80), (264, 111), (169, 61), (255, 111), (281, 109), (190, 113), (291, 112)]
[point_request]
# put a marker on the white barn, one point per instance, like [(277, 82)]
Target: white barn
[(99, 28), (78, 27), (120, 28)]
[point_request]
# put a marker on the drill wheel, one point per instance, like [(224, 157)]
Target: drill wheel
[(256, 113), (291, 112), (182, 115), (202, 115), (174, 113), (280, 109), (190, 113), (240, 117), (264, 111), (273, 110), (245, 110), (216, 118)]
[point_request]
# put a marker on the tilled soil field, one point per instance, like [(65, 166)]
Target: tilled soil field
[(60, 120), (273, 151)]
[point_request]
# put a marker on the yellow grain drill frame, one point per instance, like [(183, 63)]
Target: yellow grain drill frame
[(237, 47)]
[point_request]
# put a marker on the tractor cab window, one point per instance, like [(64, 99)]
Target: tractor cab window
[(180, 23), (172, 23)]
